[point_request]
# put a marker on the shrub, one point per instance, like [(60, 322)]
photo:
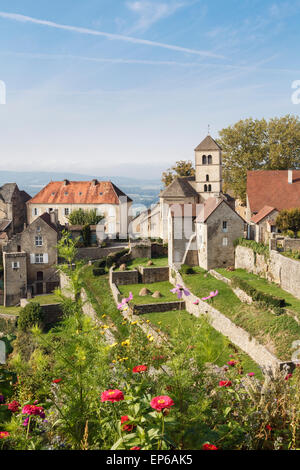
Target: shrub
[(289, 233), (84, 217), (98, 271), (258, 248), (114, 258), (30, 315), (86, 235), (268, 300), (101, 263), (185, 269)]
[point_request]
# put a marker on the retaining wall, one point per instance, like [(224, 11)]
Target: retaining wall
[(221, 323), (159, 307), (123, 278), (151, 274)]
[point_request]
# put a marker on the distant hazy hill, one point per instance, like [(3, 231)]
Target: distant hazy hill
[(141, 191)]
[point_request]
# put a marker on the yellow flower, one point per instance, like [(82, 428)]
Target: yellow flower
[(150, 337), (113, 345), (103, 316), (114, 361), (134, 323), (159, 323), (147, 321), (125, 343)]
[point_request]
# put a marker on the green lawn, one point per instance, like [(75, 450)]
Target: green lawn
[(157, 262), (163, 287), (46, 299), (277, 333), (181, 323), (265, 286), (10, 310)]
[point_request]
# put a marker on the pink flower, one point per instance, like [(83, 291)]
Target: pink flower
[(112, 395), (125, 301), (33, 410), (251, 374), (288, 376), (135, 448), (232, 363), (180, 290), (211, 295), (196, 302), (14, 406), (4, 434), (161, 402)]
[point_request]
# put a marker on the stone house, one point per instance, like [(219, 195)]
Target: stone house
[(12, 211), (30, 259), (67, 196), (203, 234), (268, 193)]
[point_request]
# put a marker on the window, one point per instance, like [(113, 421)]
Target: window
[(39, 276), (67, 211), (15, 264), (207, 177), (225, 241), (50, 209), (209, 188), (35, 211), (39, 258), (209, 159), (38, 240), (205, 188), (203, 159), (38, 229), (66, 193), (224, 226)]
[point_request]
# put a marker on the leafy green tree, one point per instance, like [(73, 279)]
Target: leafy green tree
[(253, 144), (181, 168), (289, 220), (84, 217)]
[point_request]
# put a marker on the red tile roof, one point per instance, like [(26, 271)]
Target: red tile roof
[(266, 210), (209, 207), (78, 192), (271, 188)]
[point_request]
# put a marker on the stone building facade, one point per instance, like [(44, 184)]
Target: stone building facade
[(12, 210), (36, 254)]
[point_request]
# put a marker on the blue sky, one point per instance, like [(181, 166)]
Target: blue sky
[(127, 87)]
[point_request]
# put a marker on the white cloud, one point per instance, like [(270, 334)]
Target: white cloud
[(111, 36), (151, 12)]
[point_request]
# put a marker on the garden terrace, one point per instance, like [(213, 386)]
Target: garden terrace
[(181, 325), (163, 287), (277, 333), (263, 285), (157, 263)]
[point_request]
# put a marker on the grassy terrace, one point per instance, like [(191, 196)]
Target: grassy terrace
[(157, 262), (10, 310), (163, 287), (265, 286), (46, 299), (181, 323), (275, 332)]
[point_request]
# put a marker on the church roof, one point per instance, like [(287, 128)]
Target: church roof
[(180, 187), (271, 188), (208, 144)]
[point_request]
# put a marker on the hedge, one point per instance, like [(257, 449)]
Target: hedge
[(269, 300), (99, 271), (113, 258)]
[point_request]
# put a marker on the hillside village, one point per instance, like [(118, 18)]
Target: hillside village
[(199, 255)]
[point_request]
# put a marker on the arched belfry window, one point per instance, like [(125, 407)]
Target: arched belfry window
[(209, 159), (205, 188), (207, 177), (204, 161), (209, 187)]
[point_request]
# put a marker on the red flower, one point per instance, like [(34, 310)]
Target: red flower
[(112, 395), (209, 446), (268, 427), (126, 427), (56, 381), (138, 369), (288, 376), (33, 410), (4, 434), (161, 402), (14, 406), (135, 448), (225, 383)]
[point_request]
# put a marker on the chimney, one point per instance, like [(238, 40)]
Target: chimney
[(54, 217), (66, 182), (290, 176), (94, 182)]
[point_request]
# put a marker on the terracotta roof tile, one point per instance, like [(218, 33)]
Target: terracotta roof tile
[(266, 210), (271, 188), (78, 192)]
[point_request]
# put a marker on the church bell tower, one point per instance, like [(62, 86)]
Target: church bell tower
[(208, 168)]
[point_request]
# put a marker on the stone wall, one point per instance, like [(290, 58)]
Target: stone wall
[(159, 307), (94, 253), (150, 275), (221, 323), (141, 250), (291, 244), (123, 278), (277, 268), (52, 313)]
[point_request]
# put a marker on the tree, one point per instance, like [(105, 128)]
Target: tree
[(181, 168), (30, 315), (253, 144), (288, 220), (87, 217)]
